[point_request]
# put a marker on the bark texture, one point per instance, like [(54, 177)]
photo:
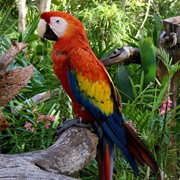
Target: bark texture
[(74, 149)]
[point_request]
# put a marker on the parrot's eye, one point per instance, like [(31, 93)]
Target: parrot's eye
[(58, 25)]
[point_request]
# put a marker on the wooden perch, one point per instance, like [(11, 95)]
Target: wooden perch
[(74, 149)]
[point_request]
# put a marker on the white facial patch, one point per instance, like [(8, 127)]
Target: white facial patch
[(58, 25), (41, 27)]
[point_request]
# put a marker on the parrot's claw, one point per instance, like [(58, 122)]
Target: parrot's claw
[(70, 123)]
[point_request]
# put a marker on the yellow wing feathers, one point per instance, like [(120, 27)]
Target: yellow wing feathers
[(94, 82), (98, 93)]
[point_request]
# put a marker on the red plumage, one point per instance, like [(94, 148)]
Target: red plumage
[(94, 97)]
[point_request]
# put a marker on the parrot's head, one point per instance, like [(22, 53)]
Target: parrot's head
[(54, 25)]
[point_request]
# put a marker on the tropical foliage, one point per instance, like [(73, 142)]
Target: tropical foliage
[(146, 103)]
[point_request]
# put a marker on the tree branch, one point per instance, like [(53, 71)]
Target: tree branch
[(8, 57), (74, 149), (38, 98), (125, 55)]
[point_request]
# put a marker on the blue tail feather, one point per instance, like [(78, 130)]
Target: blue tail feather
[(114, 129), (111, 133)]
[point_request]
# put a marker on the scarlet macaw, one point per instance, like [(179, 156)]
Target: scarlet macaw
[(94, 97)]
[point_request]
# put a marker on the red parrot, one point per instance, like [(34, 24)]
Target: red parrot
[(94, 97)]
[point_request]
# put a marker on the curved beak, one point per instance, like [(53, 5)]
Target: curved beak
[(45, 31), (49, 34)]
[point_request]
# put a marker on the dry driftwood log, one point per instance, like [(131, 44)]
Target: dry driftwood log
[(74, 149)]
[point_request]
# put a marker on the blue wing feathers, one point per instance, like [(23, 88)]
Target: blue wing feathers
[(112, 125)]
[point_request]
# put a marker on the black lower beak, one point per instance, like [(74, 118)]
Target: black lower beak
[(49, 34)]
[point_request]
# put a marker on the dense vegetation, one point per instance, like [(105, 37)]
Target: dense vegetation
[(108, 27)]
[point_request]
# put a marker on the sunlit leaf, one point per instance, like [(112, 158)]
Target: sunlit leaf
[(148, 59)]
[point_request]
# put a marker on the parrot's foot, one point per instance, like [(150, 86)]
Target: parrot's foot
[(70, 123)]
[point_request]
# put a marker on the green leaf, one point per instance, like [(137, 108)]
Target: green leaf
[(123, 83), (27, 34), (148, 59)]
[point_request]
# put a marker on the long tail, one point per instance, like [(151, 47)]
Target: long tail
[(139, 150), (104, 155), (115, 131)]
